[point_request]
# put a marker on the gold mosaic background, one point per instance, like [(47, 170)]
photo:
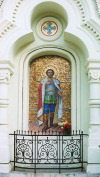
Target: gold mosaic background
[(62, 69)]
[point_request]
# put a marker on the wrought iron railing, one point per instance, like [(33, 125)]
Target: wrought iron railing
[(45, 150)]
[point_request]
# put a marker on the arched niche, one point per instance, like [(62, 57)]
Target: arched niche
[(23, 84)]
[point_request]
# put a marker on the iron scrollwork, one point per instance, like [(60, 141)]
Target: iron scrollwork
[(71, 150), (23, 150), (54, 151), (47, 151)]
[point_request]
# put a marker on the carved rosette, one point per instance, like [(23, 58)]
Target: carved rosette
[(94, 75)]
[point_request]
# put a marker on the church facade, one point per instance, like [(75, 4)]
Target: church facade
[(61, 35)]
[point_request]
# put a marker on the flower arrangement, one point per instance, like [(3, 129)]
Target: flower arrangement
[(65, 127)]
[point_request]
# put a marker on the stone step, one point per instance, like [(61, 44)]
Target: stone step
[(27, 174)]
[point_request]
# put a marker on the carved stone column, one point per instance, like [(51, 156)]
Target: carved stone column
[(94, 122), (5, 74)]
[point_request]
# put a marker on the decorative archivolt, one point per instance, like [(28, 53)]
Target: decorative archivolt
[(5, 27), (86, 23), (15, 10), (92, 30), (82, 9), (1, 2), (77, 2), (98, 6)]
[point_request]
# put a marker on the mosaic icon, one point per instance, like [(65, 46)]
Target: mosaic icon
[(49, 28)]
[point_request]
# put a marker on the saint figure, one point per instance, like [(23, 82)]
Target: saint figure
[(49, 97)]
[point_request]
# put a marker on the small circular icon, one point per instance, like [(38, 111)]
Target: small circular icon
[(49, 28)]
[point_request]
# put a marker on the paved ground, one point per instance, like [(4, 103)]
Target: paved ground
[(25, 174)]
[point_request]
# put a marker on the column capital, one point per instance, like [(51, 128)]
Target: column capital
[(6, 71), (4, 75), (94, 75)]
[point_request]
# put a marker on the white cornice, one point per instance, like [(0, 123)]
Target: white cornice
[(93, 65)]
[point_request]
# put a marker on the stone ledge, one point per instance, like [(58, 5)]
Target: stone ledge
[(26, 174)]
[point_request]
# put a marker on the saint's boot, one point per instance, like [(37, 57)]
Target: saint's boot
[(45, 122), (51, 119)]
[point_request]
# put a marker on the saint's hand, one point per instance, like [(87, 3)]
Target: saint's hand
[(59, 93)]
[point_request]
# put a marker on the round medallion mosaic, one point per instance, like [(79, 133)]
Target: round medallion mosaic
[(49, 28)]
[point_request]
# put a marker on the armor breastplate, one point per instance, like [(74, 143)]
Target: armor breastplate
[(51, 88)]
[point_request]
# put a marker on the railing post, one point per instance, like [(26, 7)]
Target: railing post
[(59, 152), (32, 147), (62, 148), (82, 148), (14, 149), (35, 152)]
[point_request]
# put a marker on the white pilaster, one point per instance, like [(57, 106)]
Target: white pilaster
[(5, 74), (94, 124)]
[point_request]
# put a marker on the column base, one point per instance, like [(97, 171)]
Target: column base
[(5, 168), (93, 168)]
